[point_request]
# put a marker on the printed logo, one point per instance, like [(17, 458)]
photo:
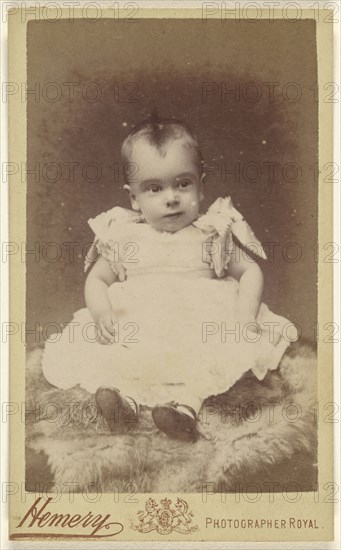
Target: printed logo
[(164, 518)]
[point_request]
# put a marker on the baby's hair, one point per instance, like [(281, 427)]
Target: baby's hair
[(158, 132)]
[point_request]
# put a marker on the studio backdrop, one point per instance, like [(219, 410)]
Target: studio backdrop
[(246, 90)]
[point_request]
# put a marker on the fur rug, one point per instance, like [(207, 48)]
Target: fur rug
[(254, 434)]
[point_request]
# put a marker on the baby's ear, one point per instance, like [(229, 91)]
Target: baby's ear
[(202, 182), (132, 197)]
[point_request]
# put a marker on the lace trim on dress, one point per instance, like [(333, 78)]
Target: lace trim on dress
[(222, 222)]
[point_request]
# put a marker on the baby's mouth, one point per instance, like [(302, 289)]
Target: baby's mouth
[(173, 215)]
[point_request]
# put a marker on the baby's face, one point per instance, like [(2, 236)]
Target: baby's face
[(167, 189)]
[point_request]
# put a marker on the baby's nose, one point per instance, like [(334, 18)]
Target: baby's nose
[(172, 197)]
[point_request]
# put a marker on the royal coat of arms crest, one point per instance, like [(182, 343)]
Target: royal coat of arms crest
[(164, 518)]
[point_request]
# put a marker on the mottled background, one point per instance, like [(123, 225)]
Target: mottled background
[(164, 64)]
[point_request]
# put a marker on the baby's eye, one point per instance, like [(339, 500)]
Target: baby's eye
[(184, 183), (154, 188)]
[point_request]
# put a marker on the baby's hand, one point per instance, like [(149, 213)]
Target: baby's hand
[(106, 328)]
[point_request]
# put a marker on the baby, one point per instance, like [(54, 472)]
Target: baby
[(167, 189), (165, 270)]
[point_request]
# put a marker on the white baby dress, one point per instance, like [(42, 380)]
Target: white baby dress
[(177, 336)]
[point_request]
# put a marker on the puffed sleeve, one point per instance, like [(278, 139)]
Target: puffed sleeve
[(222, 222), (108, 227)]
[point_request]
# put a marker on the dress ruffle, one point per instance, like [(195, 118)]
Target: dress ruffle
[(220, 224)]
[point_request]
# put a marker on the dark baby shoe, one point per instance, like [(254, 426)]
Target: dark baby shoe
[(118, 412), (175, 423)]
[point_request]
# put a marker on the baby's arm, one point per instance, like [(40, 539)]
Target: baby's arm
[(96, 298), (250, 277)]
